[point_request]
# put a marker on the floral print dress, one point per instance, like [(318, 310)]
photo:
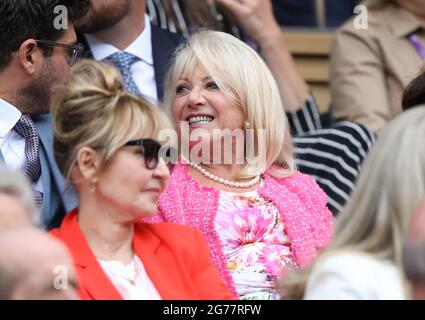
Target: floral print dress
[(254, 242)]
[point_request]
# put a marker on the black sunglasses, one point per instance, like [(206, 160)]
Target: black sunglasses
[(74, 50), (150, 150)]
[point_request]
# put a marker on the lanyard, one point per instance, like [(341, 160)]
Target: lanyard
[(414, 40)]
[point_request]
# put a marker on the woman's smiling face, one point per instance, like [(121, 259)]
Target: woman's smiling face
[(200, 104)]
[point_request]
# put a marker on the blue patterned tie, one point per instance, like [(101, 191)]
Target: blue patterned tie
[(26, 128), (123, 61)]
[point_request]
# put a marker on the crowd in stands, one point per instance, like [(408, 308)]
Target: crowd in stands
[(154, 133)]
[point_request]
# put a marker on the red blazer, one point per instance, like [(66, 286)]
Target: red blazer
[(175, 257)]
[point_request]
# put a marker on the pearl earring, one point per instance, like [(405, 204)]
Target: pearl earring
[(93, 184)]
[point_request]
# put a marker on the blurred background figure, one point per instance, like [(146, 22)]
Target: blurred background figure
[(104, 142), (368, 75), (35, 266), (17, 207), (120, 33), (364, 261), (414, 253)]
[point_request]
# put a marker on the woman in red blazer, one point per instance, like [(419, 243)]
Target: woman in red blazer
[(103, 146)]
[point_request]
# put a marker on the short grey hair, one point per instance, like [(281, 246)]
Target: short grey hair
[(17, 185)]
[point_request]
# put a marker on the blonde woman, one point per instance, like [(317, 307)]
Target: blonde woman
[(364, 260), (104, 144), (371, 64), (332, 155), (258, 217)]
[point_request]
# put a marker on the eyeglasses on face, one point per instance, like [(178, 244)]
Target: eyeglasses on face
[(74, 50), (150, 150)]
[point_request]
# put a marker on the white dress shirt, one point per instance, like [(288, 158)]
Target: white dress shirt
[(143, 71), (12, 144)]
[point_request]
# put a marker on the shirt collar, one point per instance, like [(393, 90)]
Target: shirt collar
[(141, 47), (401, 22), (9, 116)]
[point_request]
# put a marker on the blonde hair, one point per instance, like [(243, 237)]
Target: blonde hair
[(242, 75), (92, 109), (390, 187)]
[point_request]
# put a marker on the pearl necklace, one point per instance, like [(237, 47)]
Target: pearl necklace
[(226, 182)]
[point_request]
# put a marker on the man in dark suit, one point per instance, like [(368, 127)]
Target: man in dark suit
[(119, 32), (36, 52)]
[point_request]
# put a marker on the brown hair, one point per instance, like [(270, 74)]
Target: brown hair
[(92, 109), (414, 94)]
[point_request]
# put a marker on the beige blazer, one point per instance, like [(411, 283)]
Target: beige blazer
[(370, 68)]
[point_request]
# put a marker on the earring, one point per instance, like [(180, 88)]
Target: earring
[(93, 184), (246, 125)]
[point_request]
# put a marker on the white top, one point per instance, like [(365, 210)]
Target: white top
[(12, 144), (131, 280), (355, 276), (143, 71)]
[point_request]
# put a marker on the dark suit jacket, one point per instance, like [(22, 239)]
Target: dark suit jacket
[(302, 12), (164, 43), (58, 196), (176, 259)]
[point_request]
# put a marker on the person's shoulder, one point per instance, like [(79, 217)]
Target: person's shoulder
[(352, 263)]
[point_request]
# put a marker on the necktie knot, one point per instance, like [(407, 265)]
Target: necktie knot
[(26, 127), (123, 61)]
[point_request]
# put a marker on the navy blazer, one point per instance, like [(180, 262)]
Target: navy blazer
[(59, 197), (164, 43)]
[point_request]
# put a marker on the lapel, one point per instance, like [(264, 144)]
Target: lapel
[(94, 280), (86, 53), (44, 132), (159, 262), (59, 190), (164, 43), (292, 212)]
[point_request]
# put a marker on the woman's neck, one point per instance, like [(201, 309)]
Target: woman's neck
[(107, 238), (228, 172)]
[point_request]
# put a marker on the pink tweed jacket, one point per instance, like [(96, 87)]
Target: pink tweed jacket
[(300, 201)]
